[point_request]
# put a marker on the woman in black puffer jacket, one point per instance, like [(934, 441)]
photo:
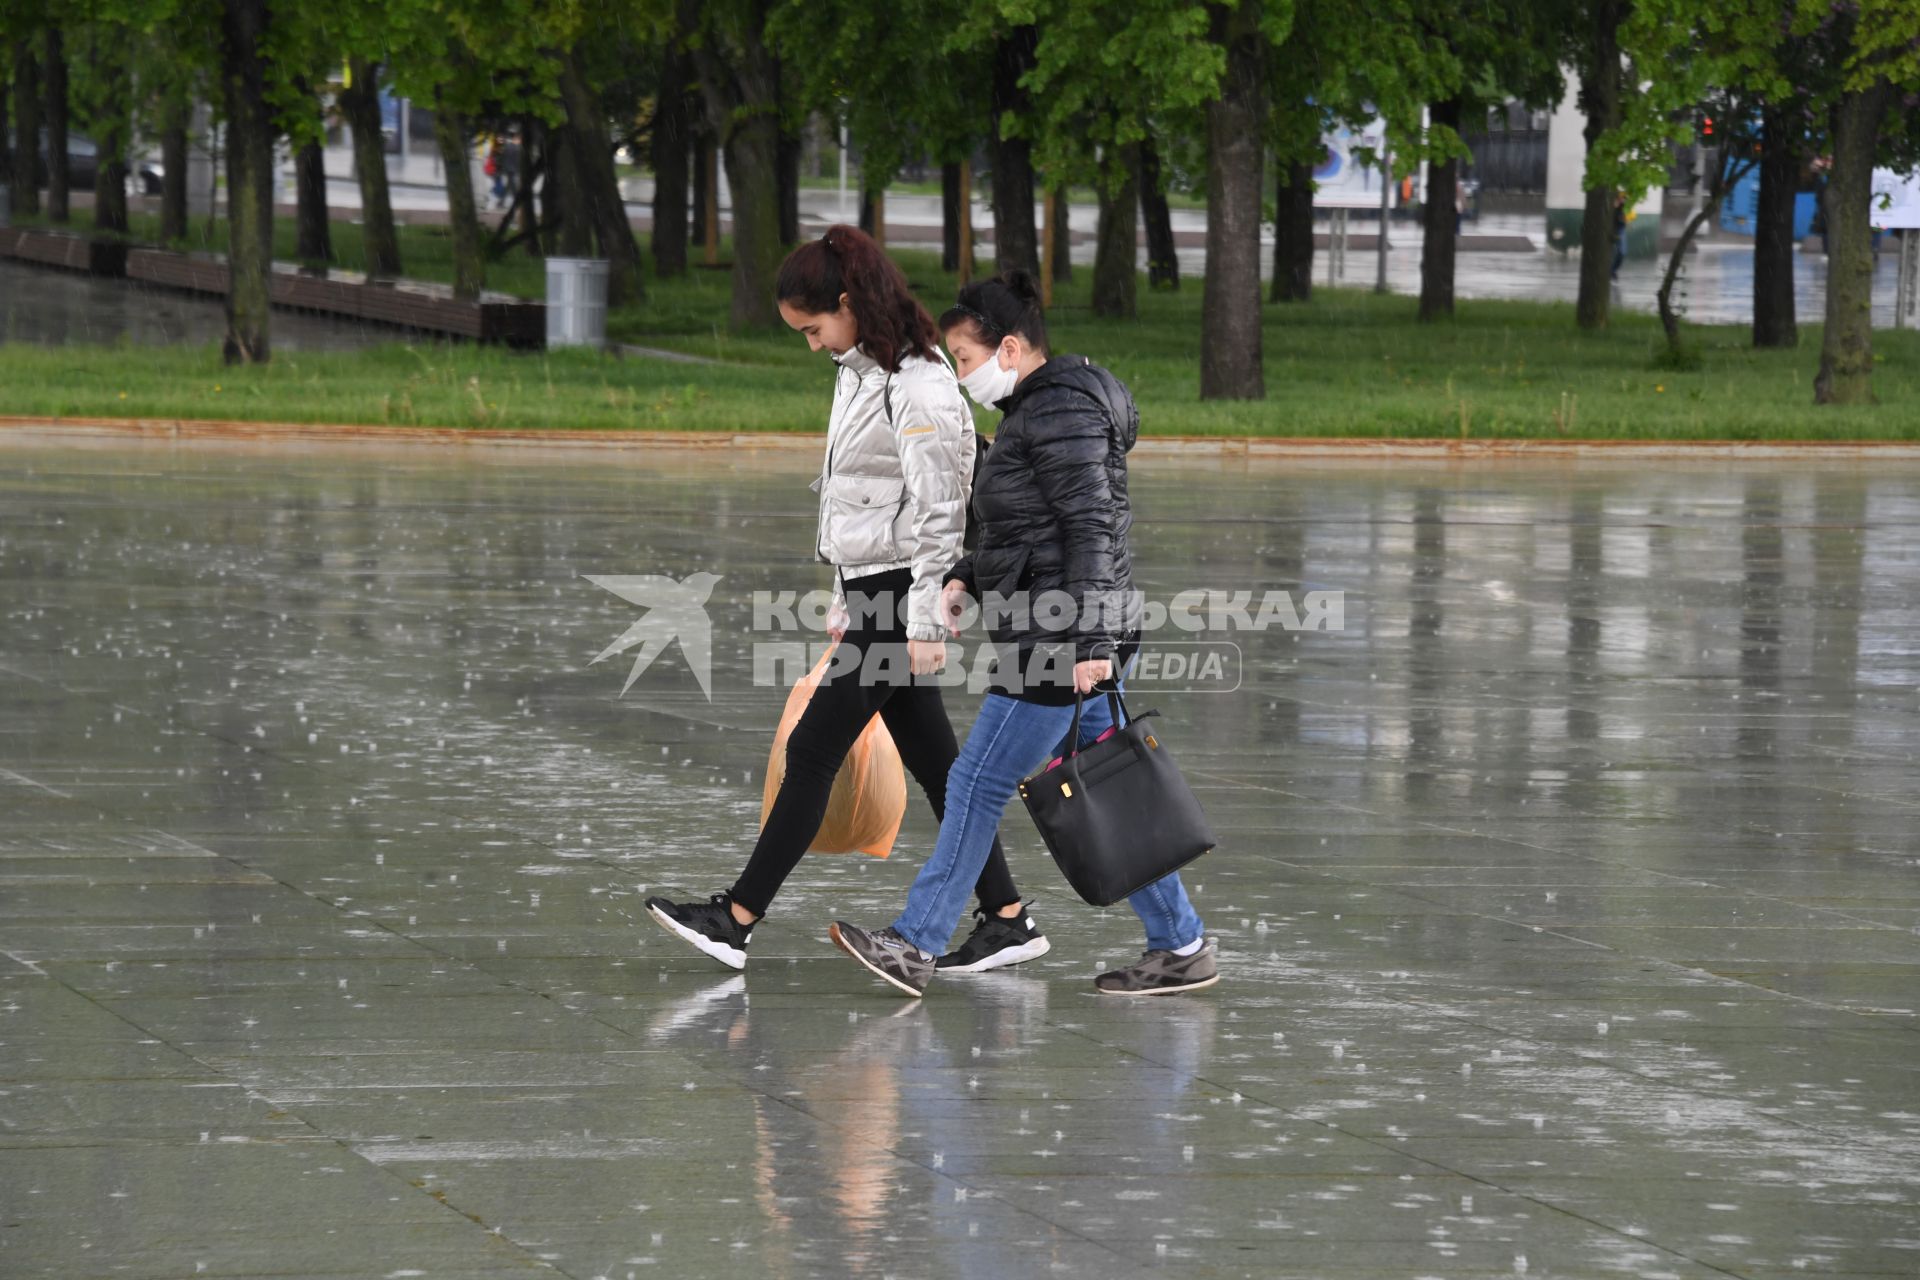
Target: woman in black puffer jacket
[(1052, 572)]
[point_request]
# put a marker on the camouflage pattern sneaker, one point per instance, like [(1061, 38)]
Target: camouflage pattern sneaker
[(886, 954), (1162, 973)]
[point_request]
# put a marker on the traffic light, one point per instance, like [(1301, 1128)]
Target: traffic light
[(1706, 126)]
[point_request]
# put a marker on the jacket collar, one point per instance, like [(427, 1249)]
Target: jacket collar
[(1053, 368), (857, 360)]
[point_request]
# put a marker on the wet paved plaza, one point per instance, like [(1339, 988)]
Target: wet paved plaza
[(1568, 898)]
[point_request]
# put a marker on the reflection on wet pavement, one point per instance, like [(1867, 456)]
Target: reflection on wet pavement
[(1567, 901)]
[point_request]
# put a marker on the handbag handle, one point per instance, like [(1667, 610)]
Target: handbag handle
[(1115, 704)]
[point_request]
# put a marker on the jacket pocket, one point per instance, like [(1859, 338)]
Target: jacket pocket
[(858, 514)]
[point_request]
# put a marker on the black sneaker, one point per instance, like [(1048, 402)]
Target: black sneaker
[(887, 954), (708, 925), (996, 943)]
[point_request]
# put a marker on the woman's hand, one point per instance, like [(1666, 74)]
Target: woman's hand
[(924, 657), (953, 604), (1090, 673), (837, 620)]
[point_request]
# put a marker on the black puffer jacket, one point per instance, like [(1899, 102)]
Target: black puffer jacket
[(1051, 514)]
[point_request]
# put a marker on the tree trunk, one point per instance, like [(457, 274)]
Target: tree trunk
[(6, 125), (1115, 279), (26, 129), (593, 161), (1230, 365), (53, 86), (1016, 243), (1846, 348), (950, 197), (1774, 324), (1600, 95), (463, 217), (566, 197), (752, 162), (243, 72), (671, 138), (312, 216), (1439, 224), (1060, 227), (697, 224), (742, 95), (108, 59), (524, 174), (1727, 173), (1163, 256), (361, 106), (789, 166), (1293, 234), (173, 182)]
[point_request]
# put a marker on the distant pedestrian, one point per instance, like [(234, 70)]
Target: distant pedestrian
[(496, 168)]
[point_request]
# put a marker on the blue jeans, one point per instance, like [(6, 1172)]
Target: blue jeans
[(1009, 741)]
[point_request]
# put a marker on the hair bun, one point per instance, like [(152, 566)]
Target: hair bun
[(1021, 284)]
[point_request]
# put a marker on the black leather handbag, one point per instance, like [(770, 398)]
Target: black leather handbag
[(1116, 815)]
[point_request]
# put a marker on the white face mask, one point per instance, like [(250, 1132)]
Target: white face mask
[(989, 384)]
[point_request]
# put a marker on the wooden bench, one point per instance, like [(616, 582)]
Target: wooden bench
[(405, 304), (65, 250)]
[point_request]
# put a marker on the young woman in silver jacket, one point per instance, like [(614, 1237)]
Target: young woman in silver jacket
[(893, 508)]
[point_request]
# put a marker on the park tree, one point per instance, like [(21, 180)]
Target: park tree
[(1590, 42), (669, 148), (740, 84), (1152, 177), (175, 48), (1879, 44), (24, 32), (1230, 355), (101, 48), (1102, 73), (1016, 241), (313, 220), (57, 104), (466, 60), (360, 105), (1462, 57), (597, 183), (889, 75), (1793, 129), (1687, 57), (247, 37), (1314, 80)]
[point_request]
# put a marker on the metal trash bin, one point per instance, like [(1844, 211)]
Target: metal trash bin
[(576, 302)]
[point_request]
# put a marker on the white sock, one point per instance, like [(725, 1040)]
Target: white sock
[(1191, 947)]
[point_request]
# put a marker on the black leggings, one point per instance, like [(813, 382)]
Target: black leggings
[(912, 710)]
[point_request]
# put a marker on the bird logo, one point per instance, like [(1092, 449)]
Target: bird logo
[(674, 610)]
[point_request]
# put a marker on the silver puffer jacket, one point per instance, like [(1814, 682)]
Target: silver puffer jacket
[(894, 493)]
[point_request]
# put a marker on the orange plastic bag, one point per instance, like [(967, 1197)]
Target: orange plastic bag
[(869, 794)]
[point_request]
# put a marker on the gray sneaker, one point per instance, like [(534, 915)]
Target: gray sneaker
[(1162, 973), (887, 954)]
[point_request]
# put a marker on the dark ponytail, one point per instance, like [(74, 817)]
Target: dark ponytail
[(1009, 303), (890, 321)]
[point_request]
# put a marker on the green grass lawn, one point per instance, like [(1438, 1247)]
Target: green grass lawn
[(1347, 364)]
